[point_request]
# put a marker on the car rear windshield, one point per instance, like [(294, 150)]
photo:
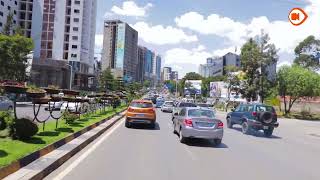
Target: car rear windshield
[(169, 104), (187, 105), (265, 108), (200, 113), (204, 105), (141, 105)]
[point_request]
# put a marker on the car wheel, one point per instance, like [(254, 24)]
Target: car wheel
[(182, 139), (217, 142), (174, 128), (229, 123), (245, 128), (268, 132), (153, 125), (127, 124)]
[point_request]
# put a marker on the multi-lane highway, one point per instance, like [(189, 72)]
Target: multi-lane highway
[(293, 153)]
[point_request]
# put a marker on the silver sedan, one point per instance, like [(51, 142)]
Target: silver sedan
[(5, 104), (196, 122)]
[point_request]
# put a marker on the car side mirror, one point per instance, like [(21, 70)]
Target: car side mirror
[(232, 109), (176, 114)]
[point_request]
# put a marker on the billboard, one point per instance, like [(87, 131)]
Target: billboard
[(219, 89), (192, 87), (120, 46)]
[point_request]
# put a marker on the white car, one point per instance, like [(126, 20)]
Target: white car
[(75, 107)]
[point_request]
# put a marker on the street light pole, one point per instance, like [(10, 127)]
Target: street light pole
[(70, 82)]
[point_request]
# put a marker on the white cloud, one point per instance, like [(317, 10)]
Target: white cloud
[(282, 33), (160, 35), (185, 56), (130, 8)]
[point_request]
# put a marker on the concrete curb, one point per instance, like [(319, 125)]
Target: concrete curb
[(17, 165)]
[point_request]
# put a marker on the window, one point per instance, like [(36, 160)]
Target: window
[(77, 2), (200, 113), (75, 19), (0, 24), (15, 2), (141, 105), (14, 12), (75, 38), (1, 13), (73, 55), (77, 11), (2, 3), (182, 112), (14, 21), (74, 46), (75, 29), (9, 7)]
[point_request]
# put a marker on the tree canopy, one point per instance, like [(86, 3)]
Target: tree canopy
[(296, 82), (308, 53)]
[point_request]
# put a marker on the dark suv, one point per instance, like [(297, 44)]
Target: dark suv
[(254, 117)]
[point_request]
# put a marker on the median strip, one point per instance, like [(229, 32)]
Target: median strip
[(84, 135)]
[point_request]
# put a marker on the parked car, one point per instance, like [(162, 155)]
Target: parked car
[(141, 112), (5, 104), (55, 106), (196, 122), (254, 117), (167, 106), (74, 107)]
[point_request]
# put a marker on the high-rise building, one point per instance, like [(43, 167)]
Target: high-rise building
[(158, 68), (166, 73), (120, 49), (216, 66), (7, 7), (148, 64), (141, 64), (63, 33), (174, 75)]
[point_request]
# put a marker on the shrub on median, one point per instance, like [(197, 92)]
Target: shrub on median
[(23, 129), (69, 117)]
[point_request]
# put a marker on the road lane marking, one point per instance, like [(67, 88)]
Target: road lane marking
[(87, 153)]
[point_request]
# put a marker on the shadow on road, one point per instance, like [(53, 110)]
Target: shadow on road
[(67, 130), (49, 133), (204, 143), (145, 127), (34, 140), (3, 153), (258, 134)]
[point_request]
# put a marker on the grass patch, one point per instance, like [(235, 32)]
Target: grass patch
[(11, 150)]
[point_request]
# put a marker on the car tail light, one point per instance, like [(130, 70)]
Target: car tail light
[(254, 113), (188, 122), (130, 109), (220, 125), (150, 110)]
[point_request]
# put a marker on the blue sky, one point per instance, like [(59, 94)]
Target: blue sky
[(186, 32)]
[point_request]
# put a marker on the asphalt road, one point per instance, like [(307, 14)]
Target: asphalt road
[(27, 111), (293, 153)]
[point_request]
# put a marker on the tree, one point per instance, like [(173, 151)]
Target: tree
[(296, 82), (106, 80), (256, 56), (233, 79), (8, 26), (307, 53), (146, 83), (13, 56), (250, 61)]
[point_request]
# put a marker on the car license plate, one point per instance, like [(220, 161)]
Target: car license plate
[(204, 124), (140, 115), (265, 127)]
